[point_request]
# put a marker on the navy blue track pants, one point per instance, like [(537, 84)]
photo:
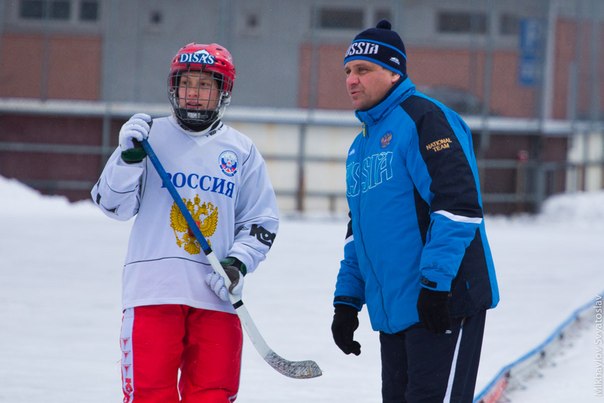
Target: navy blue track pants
[(419, 366)]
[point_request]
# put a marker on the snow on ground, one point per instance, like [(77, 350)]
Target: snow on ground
[(572, 369), (60, 273)]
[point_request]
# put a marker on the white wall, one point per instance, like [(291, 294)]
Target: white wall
[(328, 175), (586, 148)]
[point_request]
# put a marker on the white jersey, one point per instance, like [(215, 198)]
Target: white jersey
[(223, 181)]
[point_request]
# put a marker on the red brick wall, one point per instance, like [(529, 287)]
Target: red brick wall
[(566, 50), (464, 69), (330, 89), (49, 166), (426, 66), (73, 66)]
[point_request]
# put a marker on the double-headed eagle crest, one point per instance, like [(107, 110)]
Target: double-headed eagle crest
[(206, 217)]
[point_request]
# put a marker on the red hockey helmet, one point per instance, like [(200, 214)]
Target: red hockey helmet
[(207, 58), (200, 57)]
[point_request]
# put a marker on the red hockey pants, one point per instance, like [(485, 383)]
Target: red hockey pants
[(158, 341)]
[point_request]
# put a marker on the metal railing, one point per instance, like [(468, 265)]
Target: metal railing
[(531, 181)]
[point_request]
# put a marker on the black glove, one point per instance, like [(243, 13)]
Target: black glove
[(345, 322), (135, 130), (433, 310), (134, 155), (235, 269)]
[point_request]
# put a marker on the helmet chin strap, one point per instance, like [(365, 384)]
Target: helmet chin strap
[(194, 120), (198, 127)]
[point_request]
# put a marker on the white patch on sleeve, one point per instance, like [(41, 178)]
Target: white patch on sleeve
[(459, 218)]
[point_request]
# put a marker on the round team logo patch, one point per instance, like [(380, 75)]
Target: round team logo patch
[(385, 140), (228, 162)]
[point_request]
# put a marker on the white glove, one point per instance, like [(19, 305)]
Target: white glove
[(216, 282), (136, 128)]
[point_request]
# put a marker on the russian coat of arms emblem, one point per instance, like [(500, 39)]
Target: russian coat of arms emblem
[(205, 215)]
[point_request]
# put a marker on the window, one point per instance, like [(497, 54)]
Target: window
[(509, 24), (249, 23), (350, 18), (89, 11), (59, 10), (382, 14), (340, 18), (252, 21), (32, 9), (42, 9), (156, 18), (458, 22)]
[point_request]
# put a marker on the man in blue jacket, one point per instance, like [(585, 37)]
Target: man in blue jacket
[(416, 250)]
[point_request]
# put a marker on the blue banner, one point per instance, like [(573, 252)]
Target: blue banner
[(530, 51)]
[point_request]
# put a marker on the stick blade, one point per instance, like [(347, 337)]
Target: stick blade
[(293, 369)]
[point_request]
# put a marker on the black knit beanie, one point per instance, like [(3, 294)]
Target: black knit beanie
[(379, 45)]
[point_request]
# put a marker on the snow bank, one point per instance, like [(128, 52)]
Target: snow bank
[(575, 207), (581, 208), (19, 199)]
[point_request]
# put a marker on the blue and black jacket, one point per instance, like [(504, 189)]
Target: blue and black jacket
[(416, 216)]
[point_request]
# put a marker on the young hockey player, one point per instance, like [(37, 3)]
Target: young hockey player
[(180, 338)]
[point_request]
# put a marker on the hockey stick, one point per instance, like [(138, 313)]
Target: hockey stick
[(293, 369)]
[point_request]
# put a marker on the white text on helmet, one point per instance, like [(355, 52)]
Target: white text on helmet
[(201, 56), (362, 48)]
